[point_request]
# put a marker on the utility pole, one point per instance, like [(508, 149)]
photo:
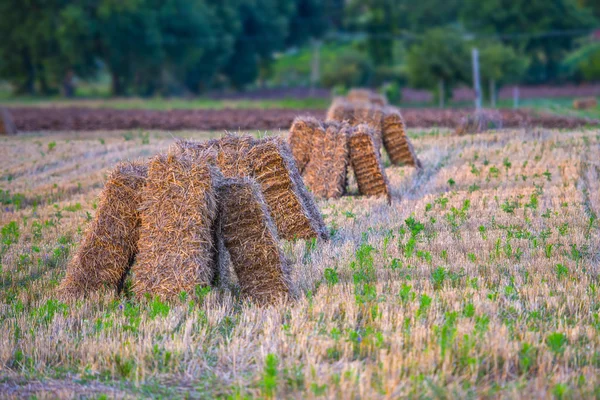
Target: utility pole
[(476, 83)]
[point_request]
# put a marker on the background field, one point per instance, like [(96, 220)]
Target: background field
[(481, 280)]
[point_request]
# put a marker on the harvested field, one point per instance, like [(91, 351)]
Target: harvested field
[(483, 282), (31, 119), (178, 211), (250, 237)]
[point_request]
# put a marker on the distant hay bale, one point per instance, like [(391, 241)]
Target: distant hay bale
[(366, 96), (177, 216), (7, 126), (250, 237), (366, 163), (340, 110), (326, 172), (585, 103), (293, 209), (110, 242), (479, 122), (300, 139), (395, 141), (371, 115)]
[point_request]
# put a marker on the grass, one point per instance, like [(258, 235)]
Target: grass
[(481, 280), (159, 103)]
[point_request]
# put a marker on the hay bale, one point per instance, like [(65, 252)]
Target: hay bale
[(292, 207), (585, 103), (250, 237), (7, 126), (371, 115), (300, 139), (395, 141), (110, 242), (178, 211), (340, 110), (366, 163), (366, 96), (326, 172)]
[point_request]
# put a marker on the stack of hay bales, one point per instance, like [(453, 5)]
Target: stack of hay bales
[(479, 122), (109, 245), (585, 103), (333, 147), (388, 125), (195, 216)]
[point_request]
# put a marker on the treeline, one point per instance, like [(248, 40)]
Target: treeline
[(149, 46), (188, 46)]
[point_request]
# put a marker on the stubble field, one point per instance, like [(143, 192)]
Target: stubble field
[(482, 279)]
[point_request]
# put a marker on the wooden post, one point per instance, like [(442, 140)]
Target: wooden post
[(476, 82), (515, 97), (7, 127), (442, 93), (314, 68)]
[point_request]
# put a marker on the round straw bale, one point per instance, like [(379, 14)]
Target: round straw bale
[(110, 242), (300, 139), (292, 207), (250, 237), (395, 141), (365, 160), (326, 172), (178, 211)]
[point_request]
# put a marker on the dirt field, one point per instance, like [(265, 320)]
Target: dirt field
[(72, 118), (481, 280)]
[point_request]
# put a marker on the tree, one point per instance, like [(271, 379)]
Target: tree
[(439, 62), (500, 65), (586, 60), (536, 27)]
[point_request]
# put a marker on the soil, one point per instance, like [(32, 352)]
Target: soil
[(29, 119)]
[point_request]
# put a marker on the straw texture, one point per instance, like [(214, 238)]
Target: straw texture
[(326, 173), (397, 145), (300, 139), (293, 209), (178, 211), (110, 243), (250, 238), (366, 163), (366, 96)]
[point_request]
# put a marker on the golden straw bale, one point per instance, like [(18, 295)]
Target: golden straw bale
[(292, 207), (478, 122), (585, 103), (110, 242), (177, 215), (371, 115), (300, 139), (365, 160), (366, 96), (395, 141), (340, 110), (326, 172), (251, 240)]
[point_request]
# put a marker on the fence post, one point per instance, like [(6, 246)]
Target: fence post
[(515, 97), (314, 68), (476, 82)]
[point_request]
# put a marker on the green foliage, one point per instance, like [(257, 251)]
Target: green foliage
[(350, 69), (441, 57), (270, 375), (557, 342)]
